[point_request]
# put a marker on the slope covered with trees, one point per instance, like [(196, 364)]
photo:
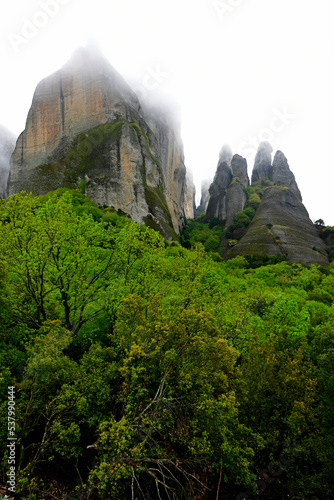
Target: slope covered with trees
[(143, 369)]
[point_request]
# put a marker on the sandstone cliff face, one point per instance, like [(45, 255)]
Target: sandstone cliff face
[(282, 227), (87, 125), (163, 119), (190, 197), (7, 145)]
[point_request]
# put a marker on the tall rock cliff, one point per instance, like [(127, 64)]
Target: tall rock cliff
[(7, 145), (190, 197), (262, 165), (227, 192), (281, 174), (164, 120), (236, 194), (205, 197), (86, 125), (281, 225), (218, 189)]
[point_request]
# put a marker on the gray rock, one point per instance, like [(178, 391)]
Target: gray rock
[(189, 204), (239, 169), (282, 227), (282, 175), (7, 145), (236, 197), (162, 116), (218, 189), (205, 197), (226, 154), (262, 164)]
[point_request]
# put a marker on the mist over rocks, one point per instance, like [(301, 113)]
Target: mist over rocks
[(205, 197), (227, 194), (7, 145), (87, 125), (263, 162), (190, 197), (226, 154), (218, 189), (281, 224)]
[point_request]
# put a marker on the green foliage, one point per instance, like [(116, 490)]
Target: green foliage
[(259, 260), (241, 219), (143, 369), (200, 230)]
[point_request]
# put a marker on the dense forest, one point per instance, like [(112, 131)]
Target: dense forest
[(148, 369)]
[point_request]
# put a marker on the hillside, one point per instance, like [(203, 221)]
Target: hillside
[(142, 369)]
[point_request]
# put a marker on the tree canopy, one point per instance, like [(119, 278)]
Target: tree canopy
[(143, 369)]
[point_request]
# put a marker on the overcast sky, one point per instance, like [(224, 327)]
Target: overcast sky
[(242, 70)]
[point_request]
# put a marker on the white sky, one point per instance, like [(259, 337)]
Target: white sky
[(235, 66)]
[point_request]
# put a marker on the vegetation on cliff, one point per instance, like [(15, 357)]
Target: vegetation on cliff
[(146, 370)]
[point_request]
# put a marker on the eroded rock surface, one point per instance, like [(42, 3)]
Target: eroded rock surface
[(86, 125), (282, 227)]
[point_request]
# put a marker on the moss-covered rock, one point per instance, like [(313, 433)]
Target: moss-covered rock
[(282, 226)]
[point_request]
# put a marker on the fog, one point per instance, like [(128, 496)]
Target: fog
[(241, 71), (7, 144)]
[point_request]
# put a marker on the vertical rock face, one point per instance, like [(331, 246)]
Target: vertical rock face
[(7, 145), (189, 204), (87, 125), (282, 176), (281, 225), (236, 196), (227, 193), (218, 189), (205, 197), (262, 164), (163, 119)]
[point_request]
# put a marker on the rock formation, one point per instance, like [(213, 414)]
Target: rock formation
[(86, 126), (227, 192), (205, 197), (190, 197), (7, 145), (236, 195), (262, 165), (281, 175), (281, 225), (218, 189)]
